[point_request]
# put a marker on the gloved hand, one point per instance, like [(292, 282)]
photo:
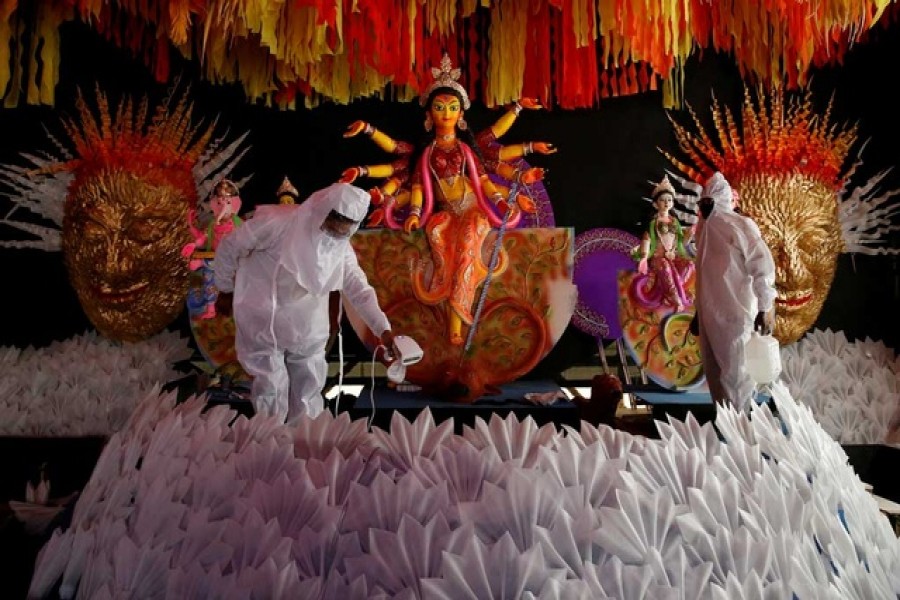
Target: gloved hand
[(224, 302), (387, 340), (762, 323)]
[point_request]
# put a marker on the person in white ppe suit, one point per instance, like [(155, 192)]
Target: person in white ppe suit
[(277, 270), (735, 291)]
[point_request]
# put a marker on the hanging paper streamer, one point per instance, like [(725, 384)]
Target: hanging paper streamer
[(344, 50)]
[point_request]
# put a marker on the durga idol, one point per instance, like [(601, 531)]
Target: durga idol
[(444, 182)]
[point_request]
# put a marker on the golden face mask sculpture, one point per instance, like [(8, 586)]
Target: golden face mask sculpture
[(787, 165), (798, 218), (124, 198), (122, 236)]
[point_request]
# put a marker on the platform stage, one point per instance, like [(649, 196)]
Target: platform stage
[(671, 403), (511, 399), (676, 404)]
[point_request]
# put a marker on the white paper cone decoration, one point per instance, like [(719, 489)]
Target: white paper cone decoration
[(317, 438), (183, 504), (852, 388), (406, 440), (512, 439), (83, 386)]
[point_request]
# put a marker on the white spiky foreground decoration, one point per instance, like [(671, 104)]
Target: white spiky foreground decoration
[(193, 505), (86, 385), (852, 388)]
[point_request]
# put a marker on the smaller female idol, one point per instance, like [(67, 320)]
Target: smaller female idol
[(663, 250)]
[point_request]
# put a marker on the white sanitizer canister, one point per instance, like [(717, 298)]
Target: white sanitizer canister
[(762, 357)]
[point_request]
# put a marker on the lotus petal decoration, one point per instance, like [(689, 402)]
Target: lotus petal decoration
[(386, 501), (529, 501), (750, 588), (185, 503), (588, 467), (669, 466), (568, 545), (677, 578), (267, 460), (293, 505), (498, 570), (853, 388), (716, 503), (259, 429), (831, 342), (616, 579), (316, 438), (740, 461), (84, 385), (397, 561), (268, 580), (769, 509), (335, 586), (732, 554), (691, 435), (406, 440), (856, 582), (202, 544), (215, 489), (193, 582), (642, 521), (323, 554), (465, 470), (51, 563), (255, 541), (336, 474), (139, 572), (512, 439)]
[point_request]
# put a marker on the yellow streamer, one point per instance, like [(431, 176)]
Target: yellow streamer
[(249, 41)]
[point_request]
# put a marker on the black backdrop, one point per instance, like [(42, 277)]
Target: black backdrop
[(607, 157)]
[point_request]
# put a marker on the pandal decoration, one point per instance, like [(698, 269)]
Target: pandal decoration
[(568, 53), (788, 165), (119, 207), (191, 503), (85, 385), (851, 387)]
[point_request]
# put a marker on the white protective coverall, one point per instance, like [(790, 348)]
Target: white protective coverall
[(735, 281), (281, 267)]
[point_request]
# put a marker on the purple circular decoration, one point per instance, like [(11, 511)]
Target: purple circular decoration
[(599, 256)]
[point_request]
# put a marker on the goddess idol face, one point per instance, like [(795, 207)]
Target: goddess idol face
[(798, 218), (121, 237), (445, 109), (664, 203)]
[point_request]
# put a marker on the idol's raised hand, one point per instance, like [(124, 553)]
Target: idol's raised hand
[(530, 103), (543, 148), (355, 128), (532, 175), (350, 175)]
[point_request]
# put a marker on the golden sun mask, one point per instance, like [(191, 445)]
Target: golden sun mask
[(122, 238), (788, 165), (798, 219)]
